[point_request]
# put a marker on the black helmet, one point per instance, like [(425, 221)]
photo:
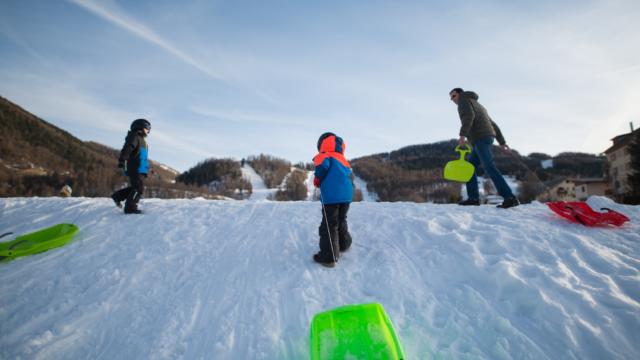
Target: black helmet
[(324, 136), (140, 124)]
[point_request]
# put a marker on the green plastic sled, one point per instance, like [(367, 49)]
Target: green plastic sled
[(37, 242), (459, 170), (354, 332)]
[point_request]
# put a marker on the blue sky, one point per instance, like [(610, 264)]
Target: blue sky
[(239, 78)]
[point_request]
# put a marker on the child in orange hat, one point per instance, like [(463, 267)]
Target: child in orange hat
[(333, 177)]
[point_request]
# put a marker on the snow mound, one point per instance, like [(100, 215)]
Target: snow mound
[(195, 279)]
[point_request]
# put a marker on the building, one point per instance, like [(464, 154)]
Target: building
[(619, 160), (588, 187), (573, 189), (561, 189)]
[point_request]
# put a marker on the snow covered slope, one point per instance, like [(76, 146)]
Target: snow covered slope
[(259, 189), (196, 279), (366, 194)]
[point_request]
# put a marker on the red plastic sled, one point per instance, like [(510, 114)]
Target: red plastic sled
[(581, 212)]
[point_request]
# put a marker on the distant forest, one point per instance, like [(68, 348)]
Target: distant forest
[(219, 176), (38, 159), (414, 173), (271, 169)]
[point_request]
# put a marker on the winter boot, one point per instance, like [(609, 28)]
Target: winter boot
[(116, 200), (470, 202), (131, 204), (324, 262), (509, 202), (132, 210)]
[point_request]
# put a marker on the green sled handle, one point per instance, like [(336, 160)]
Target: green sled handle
[(459, 170), (463, 152)]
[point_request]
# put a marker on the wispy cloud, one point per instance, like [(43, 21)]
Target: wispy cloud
[(120, 19), (79, 112), (15, 37), (623, 70), (53, 98), (241, 116), (276, 78)]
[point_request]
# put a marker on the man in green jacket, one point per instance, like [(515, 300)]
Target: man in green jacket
[(478, 128)]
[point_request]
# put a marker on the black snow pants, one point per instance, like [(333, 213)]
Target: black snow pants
[(131, 194), (338, 231)]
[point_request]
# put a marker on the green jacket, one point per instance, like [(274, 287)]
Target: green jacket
[(475, 119)]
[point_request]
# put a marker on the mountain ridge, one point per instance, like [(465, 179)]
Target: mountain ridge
[(38, 158)]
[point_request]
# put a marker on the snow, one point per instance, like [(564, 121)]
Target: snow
[(312, 192), (194, 279), (260, 190), (511, 181), (165, 167), (366, 194)]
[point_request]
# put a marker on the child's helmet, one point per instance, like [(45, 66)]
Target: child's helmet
[(322, 137), (337, 145), (140, 124)]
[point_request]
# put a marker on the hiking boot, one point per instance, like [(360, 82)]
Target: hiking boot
[(509, 202), (470, 202), (132, 211), (326, 263), (116, 201)]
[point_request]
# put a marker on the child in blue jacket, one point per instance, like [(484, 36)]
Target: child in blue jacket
[(333, 177), (134, 160)]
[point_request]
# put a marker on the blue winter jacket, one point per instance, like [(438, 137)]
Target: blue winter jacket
[(135, 153), (335, 182), (334, 172)]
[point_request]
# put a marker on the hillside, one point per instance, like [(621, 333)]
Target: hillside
[(219, 176), (39, 158), (414, 173), (234, 280)]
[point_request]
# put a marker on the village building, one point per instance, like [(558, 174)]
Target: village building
[(619, 159), (560, 189), (589, 187)]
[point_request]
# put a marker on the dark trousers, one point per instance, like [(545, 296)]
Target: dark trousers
[(337, 234), (482, 155), (131, 194)]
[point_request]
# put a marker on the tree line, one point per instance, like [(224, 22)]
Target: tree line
[(271, 169), (218, 176)]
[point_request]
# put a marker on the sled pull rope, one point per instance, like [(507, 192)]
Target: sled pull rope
[(326, 220), (5, 234)]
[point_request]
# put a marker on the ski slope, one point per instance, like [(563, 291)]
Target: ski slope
[(259, 189), (366, 194), (193, 279)]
